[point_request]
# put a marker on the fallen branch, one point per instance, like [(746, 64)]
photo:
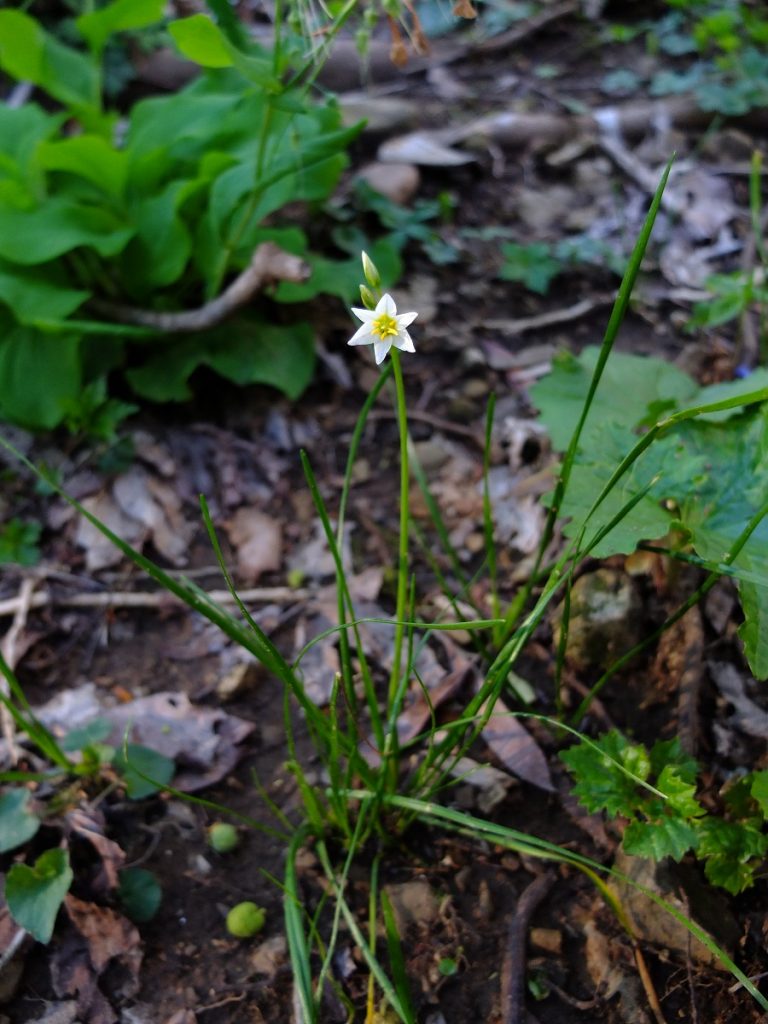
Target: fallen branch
[(513, 968), (268, 264), (9, 647), (555, 316), (160, 599)]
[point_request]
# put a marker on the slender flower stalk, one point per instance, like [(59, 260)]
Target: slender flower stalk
[(387, 330)]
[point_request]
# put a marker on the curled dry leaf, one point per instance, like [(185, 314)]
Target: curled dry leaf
[(517, 750), (89, 825), (258, 542), (138, 507)]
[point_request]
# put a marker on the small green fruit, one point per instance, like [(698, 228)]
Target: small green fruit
[(222, 837), (245, 920)]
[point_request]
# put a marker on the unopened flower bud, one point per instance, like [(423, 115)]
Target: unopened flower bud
[(372, 275), (369, 299)]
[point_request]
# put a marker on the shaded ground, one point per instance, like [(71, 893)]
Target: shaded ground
[(239, 448)]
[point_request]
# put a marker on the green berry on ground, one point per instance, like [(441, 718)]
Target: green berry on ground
[(222, 837), (246, 920)]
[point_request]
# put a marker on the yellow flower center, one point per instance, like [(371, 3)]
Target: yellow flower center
[(385, 326)]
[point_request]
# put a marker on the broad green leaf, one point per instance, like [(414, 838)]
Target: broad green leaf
[(159, 251), (32, 293), (246, 350), (139, 894), (136, 762), (29, 53), (759, 791), (18, 822), (34, 894), (666, 837), (732, 852), (19, 542), (339, 277), (730, 389), (40, 376), (22, 129), (630, 387), (120, 16), (57, 227), (199, 39), (90, 157), (95, 731)]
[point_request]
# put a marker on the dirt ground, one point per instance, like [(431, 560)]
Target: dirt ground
[(240, 448)]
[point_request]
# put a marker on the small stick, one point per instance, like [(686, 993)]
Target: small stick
[(141, 599), (9, 645), (555, 316), (268, 263), (650, 991), (513, 966), (12, 948)]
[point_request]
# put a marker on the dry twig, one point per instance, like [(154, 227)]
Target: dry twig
[(513, 966), (155, 599), (268, 264), (9, 648)]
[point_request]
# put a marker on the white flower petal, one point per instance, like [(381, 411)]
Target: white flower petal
[(404, 342), (386, 304), (366, 315), (405, 319), (362, 336), (381, 348)]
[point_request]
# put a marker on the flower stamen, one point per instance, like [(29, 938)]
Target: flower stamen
[(385, 326)]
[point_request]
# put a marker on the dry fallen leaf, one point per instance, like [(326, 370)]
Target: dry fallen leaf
[(258, 542), (517, 750)]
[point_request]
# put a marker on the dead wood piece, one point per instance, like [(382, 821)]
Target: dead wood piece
[(548, 319), (268, 264), (159, 599), (513, 965), (11, 653), (679, 667)]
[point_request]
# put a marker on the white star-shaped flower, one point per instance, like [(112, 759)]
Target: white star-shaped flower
[(384, 327)]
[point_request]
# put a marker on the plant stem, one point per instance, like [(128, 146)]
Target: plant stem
[(402, 560)]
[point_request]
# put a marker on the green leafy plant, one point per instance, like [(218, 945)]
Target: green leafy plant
[(655, 791), (700, 478), (136, 251), (720, 45), (372, 788), (19, 542), (537, 264), (34, 893)]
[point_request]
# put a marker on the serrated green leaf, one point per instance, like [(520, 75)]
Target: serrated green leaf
[(34, 894), (144, 771), (139, 894), (601, 783), (19, 542), (670, 752), (18, 822), (731, 875), (680, 793), (665, 837)]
